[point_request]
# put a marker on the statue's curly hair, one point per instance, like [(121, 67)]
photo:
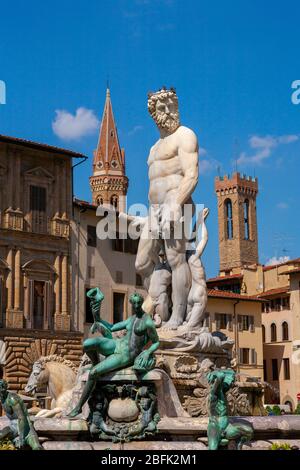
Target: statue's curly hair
[(136, 297), (160, 95)]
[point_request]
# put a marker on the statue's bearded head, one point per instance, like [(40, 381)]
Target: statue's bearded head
[(163, 107)]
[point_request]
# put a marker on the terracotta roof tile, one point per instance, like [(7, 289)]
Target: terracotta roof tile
[(271, 292), (223, 294), (225, 278)]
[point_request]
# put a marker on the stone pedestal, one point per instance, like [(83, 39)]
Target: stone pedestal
[(187, 371), (127, 405)]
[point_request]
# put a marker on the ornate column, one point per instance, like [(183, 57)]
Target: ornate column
[(64, 274), (62, 318), (9, 280), (57, 290), (14, 316), (17, 279)]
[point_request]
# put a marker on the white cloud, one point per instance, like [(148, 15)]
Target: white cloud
[(274, 260), (202, 151), (264, 147), (207, 166), (68, 126), (135, 129), (282, 205)]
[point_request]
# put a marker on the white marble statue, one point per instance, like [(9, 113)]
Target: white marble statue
[(160, 283), (173, 176), (197, 298)]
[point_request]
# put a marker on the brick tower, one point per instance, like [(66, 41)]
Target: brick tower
[(109, 183), (238, 244)]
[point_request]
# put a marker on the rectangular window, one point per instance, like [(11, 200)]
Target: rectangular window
[(130, 246), (265, 371), (118, 245), (286, 369), (274, 369), (118, 307), (2, 308), (138, 280), (37, 198), (246, 323), (91, 236), (119, 277), (91, 272), (244, 355), (205, 323), (221, 321)]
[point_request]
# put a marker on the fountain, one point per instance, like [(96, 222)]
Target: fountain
[(168, 382)]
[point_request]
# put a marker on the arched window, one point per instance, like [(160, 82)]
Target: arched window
[(285, 331), (229, 219), (100, 201), (273, 333), (246, 219), (114, 201), (263, 333)]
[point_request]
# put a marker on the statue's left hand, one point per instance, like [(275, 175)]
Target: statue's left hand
[(97, 326), (143, 359)]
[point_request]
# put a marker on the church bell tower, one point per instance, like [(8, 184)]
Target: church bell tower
[(109, 182), (237, 218)]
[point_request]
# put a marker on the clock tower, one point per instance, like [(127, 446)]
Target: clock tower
[(109, 182)]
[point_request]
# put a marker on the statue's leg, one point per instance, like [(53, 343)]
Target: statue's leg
[(113, 362), (32, 440), (147, 255), (198, 312), (163, 306), (95, 346), (213, 434), (239, 432), (181, 280)]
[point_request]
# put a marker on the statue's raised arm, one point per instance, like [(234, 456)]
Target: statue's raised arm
[(96, 298)]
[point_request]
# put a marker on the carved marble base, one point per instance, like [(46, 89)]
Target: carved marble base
[(188, 373), (122, 413), (127, 406)]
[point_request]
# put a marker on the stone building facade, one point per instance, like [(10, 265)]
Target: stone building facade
[(278, 287), (35, 271), (107, 264)]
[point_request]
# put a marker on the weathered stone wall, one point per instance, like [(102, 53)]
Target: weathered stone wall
[(23, 348)]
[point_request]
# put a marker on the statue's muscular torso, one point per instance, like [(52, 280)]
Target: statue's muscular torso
[(165, 166)]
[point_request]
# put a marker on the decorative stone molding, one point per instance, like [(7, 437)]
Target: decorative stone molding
[(60, 227), (13, 219), (14, 319), (62, 322)]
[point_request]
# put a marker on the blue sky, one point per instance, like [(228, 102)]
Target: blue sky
[(232, 63)]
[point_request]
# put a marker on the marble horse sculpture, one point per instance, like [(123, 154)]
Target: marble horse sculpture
[(59, 376), (119, 353)]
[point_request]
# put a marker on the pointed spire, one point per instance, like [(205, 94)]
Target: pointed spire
[(108, 180), (108, 155)]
